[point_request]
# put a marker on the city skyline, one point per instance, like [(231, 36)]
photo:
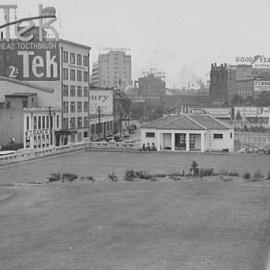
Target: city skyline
[(181, 38)]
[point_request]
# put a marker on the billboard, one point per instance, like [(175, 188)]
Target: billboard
[(101, 100), (260, 85), (30, 61), (252, 111), (258, 61), (219, 112), (215, 112)]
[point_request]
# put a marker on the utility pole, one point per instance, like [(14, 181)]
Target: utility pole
[(99, 127)]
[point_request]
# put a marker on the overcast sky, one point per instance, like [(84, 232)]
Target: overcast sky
[(180, 37)]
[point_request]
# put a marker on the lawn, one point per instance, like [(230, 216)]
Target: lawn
[(186, 224)]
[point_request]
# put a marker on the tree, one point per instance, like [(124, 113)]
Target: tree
[(237, 100)]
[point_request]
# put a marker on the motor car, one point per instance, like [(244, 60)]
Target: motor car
[(125, 133)]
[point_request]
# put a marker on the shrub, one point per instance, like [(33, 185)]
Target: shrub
[(55, 177), (258, 174), (113, 177), (236, 174), (222, 172), (246, 175), (69, 176), (139, 174), (175, 177), (130, 174), (90, 178), (268, 175), (206, 172)]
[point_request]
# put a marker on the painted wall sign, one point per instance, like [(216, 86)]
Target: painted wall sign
[(102, 99), (30, 61), (23, 33)]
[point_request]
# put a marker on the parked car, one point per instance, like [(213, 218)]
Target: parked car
[(125, 133)]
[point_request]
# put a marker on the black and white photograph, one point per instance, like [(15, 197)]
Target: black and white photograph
[(135, 135)]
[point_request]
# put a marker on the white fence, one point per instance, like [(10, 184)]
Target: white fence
[(22, 155), (121, 146)]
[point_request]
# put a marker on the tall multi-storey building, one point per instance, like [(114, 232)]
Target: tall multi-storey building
[(60, 65), (112, 70), (219, 82)]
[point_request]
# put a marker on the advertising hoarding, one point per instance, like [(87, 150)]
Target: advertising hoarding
[(30, 61), (252, 111), (258, 61), (215, 112), (261, 85), (219, 112), (101, 100)]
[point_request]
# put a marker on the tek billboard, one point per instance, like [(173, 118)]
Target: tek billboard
[(30, 61)]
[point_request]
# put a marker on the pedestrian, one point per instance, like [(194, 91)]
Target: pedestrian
[(153, 147), (143, 147), (148, 147)]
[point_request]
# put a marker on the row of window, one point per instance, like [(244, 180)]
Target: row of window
[(70, 74), (82, 122), (71, 106), (71, 58), (42, 122), (183, 136), (73, 92)]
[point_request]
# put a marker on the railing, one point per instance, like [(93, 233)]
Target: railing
[(121, 146), (27, 154)]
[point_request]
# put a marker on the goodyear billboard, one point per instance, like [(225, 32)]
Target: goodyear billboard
[(30, 61)]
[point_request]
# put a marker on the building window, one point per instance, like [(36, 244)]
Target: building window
[(39, 122), (27, 123), (85, 76), (85, 60), (65, 74), (79, 59), (65, 123), (79, 137), (93, 131), (65, 57), (57, 121), (43, 122), (85, 106), (65, 90), (79, 91), (85, 121), (150, 134), (72, 122), (24, 103), (79, 122), (65, 107), (51, 121), (85, 91), (231, 135), (79, 106), (72, 58), (72, 91), (72, 75), (47, 122), (79, 75), (218, 136), (72, 106)]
